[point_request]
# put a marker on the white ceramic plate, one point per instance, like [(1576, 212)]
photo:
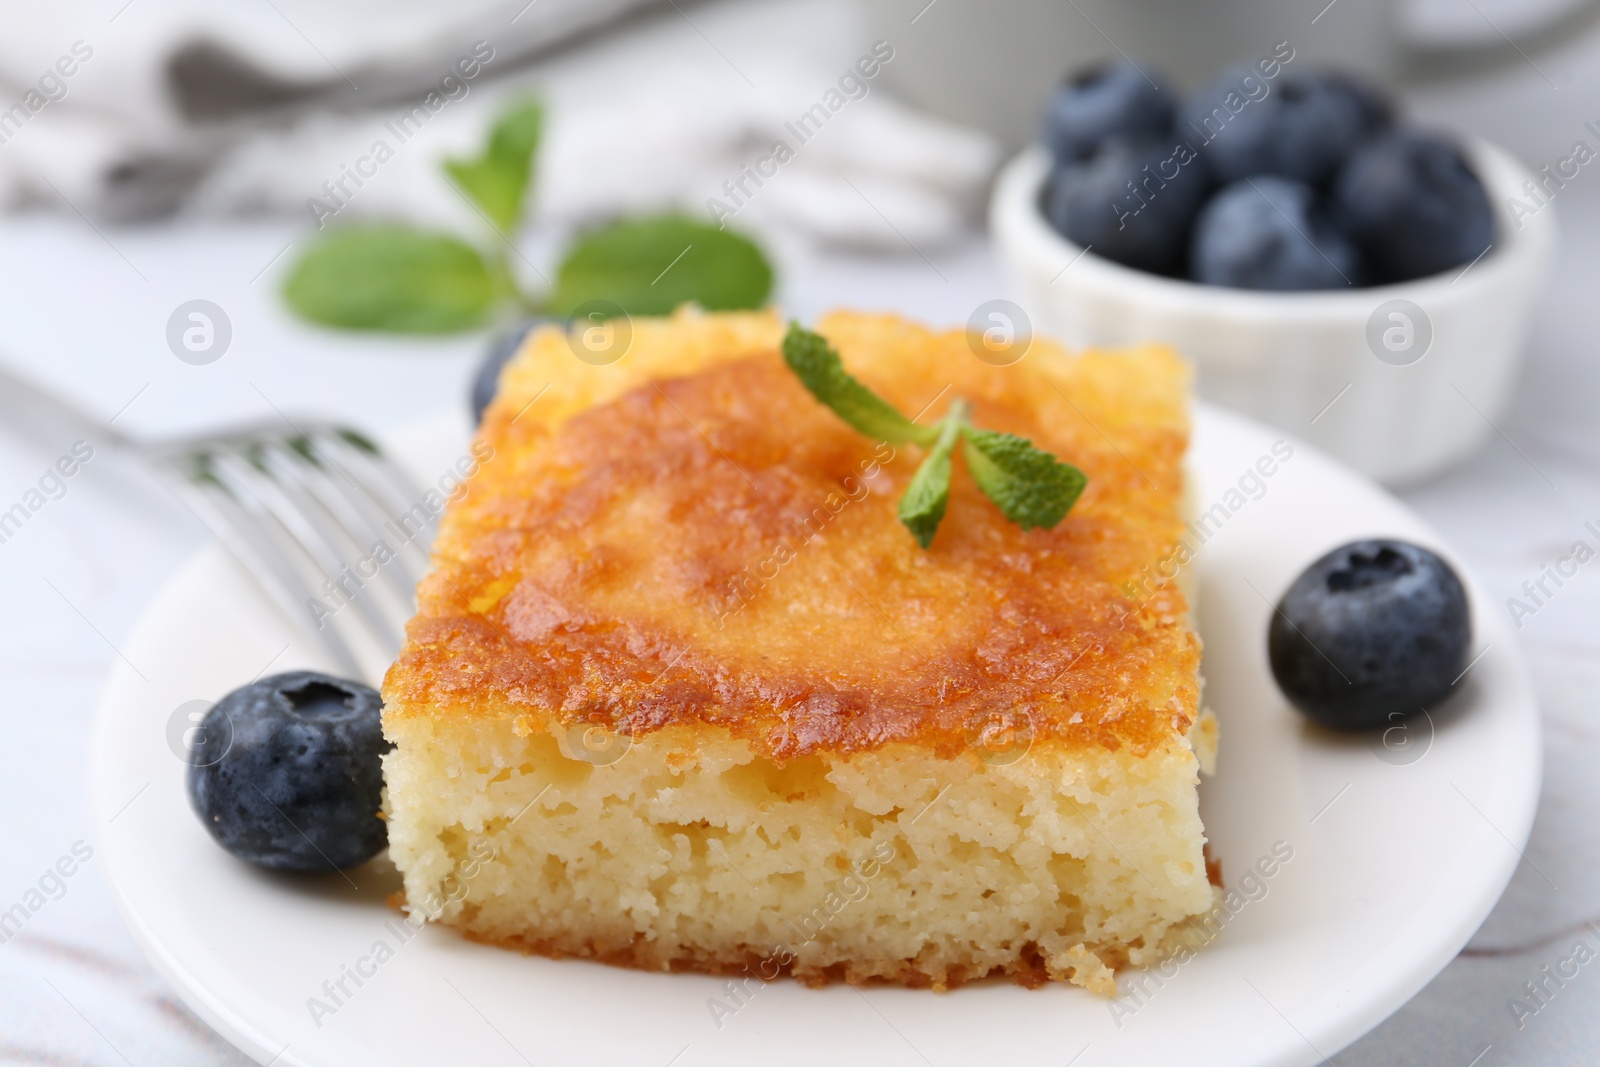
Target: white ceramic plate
[(1399, 851)]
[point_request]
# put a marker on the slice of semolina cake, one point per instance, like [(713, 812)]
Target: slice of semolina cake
[(682, 693)]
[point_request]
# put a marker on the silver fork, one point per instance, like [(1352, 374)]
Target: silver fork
[(331, 529)]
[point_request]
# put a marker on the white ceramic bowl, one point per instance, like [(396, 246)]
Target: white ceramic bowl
[(1309, 362)]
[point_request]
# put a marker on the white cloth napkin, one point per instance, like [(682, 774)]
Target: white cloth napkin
[(218, 112)]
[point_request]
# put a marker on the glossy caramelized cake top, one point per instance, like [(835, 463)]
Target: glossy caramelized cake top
[(687, 536)]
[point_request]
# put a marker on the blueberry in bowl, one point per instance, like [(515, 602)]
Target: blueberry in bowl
[(1131, 201), (293, 779), (1303, 127), (1113, 100), (1375, 202), (1372, 632), (1415, 206), (1271, 233), (1273, 331)]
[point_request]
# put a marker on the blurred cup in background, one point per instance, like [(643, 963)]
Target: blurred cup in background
[(991, 63)]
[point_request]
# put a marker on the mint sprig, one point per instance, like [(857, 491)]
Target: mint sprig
[(499, 179), (394, 278), (1031, 487), (403, 279), (651, 265), (819, 368), (925, 499)]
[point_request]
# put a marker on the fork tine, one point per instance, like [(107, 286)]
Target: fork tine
[(298, 513), (381, 487), (303, 508), (243, 528), (288, 528), (325, 465), (399, 489), (286, 516), (305, 470)]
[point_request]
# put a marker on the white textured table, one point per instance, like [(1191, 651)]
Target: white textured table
[(73, 987)]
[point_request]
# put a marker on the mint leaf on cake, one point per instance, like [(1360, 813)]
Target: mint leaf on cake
[(1031, 487), (922, 506), (818, 367)]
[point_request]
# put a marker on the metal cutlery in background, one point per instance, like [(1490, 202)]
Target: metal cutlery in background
[(317, 514)]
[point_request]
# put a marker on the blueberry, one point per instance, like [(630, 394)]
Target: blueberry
[(1414, 206), (1376, 109), (1112, 100), (1300, 126), (502, 347), (1132, 201), (1372, 630), (1270, 233), (292, 779)]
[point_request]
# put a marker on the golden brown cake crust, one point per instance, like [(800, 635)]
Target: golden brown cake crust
[(1027, 969), (688, 536)]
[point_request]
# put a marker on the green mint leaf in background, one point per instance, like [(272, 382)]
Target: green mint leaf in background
[(818, 367), (649, 266), (923, 503), (1030, 487), (393, 278), (498, 180)]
